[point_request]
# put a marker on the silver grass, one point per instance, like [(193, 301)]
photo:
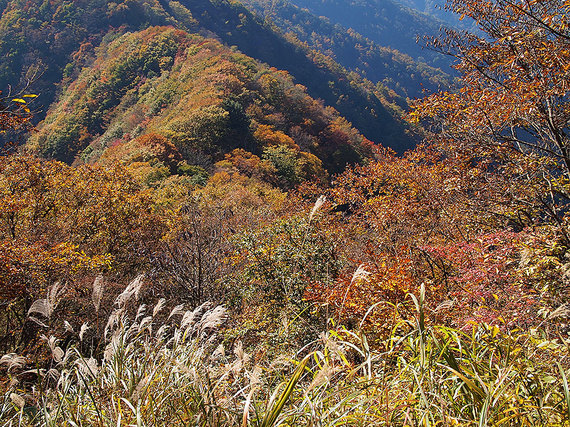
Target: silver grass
[(213, 318), (40, 306), (562, 311), (84, 328), (17, 400), (158, 307), (323, 376), (67, 326), (112, 347), (255, 377), (53, 374), (219, 352), (526, 257), (187, 319), (132, 330), (191, 317), (176, 338), (132, 290), (13, 361), (143, 383), (177, 311), (69, 354), (93, 366), (97, 294), (242, 358), (360, 274), (114, 320), (38, 321), (445, 305), (46, 306), (318, 204), (56, 351), (145, 323), (279, 362), (140, 312), (336, 352), (38, 372), (88, 367), (109, 352), (54, 295), (161, 333)]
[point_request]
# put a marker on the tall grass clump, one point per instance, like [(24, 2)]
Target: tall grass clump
[(170, 367)]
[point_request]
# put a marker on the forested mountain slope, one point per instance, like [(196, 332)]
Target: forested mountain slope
[(198, 100), (199, 261), (50, 42), (388, 66), (384, 22)]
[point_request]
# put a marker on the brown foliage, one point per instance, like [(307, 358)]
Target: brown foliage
[(512, 108), (59, 223)]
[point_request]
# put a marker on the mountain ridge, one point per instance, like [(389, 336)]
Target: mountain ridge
[(80, 26)]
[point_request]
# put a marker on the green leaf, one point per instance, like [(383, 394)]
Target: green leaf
[(273, 413), (566, 389)]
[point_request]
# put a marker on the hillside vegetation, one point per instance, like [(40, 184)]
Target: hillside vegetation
[(195, 100), (386, 23), (377, 63), (50, 42), (216, 247)]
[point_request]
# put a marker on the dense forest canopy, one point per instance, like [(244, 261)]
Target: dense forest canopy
[(49, 43), (197, 232)]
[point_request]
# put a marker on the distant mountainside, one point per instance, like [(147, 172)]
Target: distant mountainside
[(438, 9), (40, 41), (384, 22), (390, 67), (50, 42), (173, 100), (371, 111)]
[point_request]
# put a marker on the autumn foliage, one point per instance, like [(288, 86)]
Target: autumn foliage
[(214, 180)]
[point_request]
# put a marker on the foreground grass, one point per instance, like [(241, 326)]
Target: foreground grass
[(159, 368)]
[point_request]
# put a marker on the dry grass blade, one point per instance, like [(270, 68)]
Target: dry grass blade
[(46, 306), (13, 361), (275, 409), (565, 388), (132, 290), (318, 204), (562, 311), (97, 294)]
